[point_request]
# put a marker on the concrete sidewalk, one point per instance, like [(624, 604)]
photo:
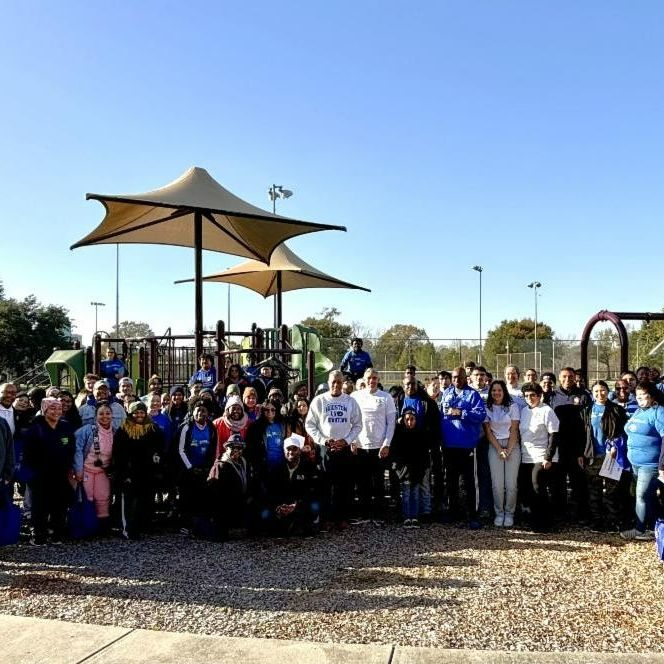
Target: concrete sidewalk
[(34, 640)]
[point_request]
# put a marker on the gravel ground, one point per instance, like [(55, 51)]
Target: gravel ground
[(439, 586)]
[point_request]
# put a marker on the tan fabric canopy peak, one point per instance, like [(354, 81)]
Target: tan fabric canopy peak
[(166, 216), (286, 271), (262, 277), (195, 211)]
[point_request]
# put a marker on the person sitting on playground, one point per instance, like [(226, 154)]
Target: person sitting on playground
[(206, 374), (356, 361), (101, 392), (263, 382), (235, 376), (112, 369)]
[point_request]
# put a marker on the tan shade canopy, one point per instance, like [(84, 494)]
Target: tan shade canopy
[(166, 216), (262, 277)]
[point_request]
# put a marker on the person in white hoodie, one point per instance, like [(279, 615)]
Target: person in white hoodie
[(379, 416), (334, 421)]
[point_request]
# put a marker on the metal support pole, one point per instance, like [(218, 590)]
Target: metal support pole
[(311, 367), (198, 275), (277, 302), (117, 289)]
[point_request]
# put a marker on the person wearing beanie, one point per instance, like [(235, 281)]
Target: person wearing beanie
[(233, 421), (101, 392), (178, 408), (137, 447), (49, 453), (197, 448)]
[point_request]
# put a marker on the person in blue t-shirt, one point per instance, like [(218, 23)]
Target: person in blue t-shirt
[(356, 361), (265, 445), (206, 374), (645, 431), (604, 422), (112, 369), (197, 448)]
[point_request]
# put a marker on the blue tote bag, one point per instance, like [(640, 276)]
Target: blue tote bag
[(81, 517), (10, 517)]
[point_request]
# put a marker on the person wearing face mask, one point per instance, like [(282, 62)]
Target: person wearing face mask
[(197, 447), (137, 447), (645, 433), (334, 422), (605, 425), (49, 453)]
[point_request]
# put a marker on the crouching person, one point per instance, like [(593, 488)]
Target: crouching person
[(229, 481), (197, 447), (293, 493), (137, 445)]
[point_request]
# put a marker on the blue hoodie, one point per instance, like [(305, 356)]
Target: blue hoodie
[(464, 431)]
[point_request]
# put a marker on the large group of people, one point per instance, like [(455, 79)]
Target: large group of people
[(245, 452)]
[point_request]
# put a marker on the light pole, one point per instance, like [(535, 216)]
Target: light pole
[(96, 305), (117, 290), (274, 192), (480, 269), (535, 285)]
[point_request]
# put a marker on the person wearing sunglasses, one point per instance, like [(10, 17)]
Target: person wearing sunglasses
[(623, 396)]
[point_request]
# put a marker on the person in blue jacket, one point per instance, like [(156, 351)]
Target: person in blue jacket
[(356, 361), (645, 432), (462, 415), (112, 369)]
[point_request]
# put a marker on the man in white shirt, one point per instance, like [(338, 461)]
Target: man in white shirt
[(334, 422), (512, 375), (379, 416), (7, 396)]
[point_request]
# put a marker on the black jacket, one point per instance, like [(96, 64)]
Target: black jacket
[(568, 406), (302, 486), (409, 453), (613, 425)]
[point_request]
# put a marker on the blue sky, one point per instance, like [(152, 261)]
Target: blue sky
[(524, 136)]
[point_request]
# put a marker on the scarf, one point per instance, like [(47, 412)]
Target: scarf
[(136, 431)]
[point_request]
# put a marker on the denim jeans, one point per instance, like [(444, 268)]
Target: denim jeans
[(646, 487), (425, 494), (410, 499), (504, 476)]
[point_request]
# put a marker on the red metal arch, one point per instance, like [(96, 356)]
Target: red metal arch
[(617, 318)]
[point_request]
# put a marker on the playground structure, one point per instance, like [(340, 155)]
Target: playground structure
[(616, 318), (294, 353)]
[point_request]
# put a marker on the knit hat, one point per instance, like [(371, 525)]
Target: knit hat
[(98, 384), (233, 400), (137, 405), (175, 389), (126, 380)]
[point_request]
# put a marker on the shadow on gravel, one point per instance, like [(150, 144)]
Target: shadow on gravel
[(360, 570)]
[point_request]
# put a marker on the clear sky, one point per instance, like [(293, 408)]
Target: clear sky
[(523, 136)]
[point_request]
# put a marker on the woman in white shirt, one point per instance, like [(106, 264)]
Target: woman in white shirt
[(538, 427), (501, 428)]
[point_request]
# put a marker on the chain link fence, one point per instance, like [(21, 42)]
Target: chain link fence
[(430, 355)]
